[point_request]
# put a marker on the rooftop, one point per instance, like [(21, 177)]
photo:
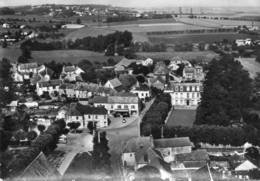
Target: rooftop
[(172, 142)]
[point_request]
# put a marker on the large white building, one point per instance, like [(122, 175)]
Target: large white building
[(186, 94), (120, 103), (52, 86), (85, 114)]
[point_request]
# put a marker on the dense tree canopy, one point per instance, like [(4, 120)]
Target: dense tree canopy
[(227, 91)]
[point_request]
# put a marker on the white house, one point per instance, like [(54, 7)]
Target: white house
[(85, 114), (71, 73), (142, 92), (51, 87), (119, 103), (28, 67), (193, 73), (187, 94), (113, 84)]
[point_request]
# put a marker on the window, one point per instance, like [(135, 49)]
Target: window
[(198, 88), (142, 94), (119, 106), (112, 106), (198, 95), (188, 95), (104, 116), (133, 106), (77, 117), (188, 88), (181, 88), (89, 117), (125, 106), (96, 116), (176, 88), (193, 95)]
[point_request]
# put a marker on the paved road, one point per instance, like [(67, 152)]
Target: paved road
[(119, 136)]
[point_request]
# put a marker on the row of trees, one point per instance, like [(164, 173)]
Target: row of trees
[(45, 142), (156, 115), (235, 136), (111, 43)]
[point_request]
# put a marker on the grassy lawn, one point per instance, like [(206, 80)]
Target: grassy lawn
[(181, 118), (252, 66), (200, 55), (66, 56)]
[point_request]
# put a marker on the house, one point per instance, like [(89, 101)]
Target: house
[(170, 147), (27, 67), (147, 62), (245, 166), (85, 114), (6, 25), (122, 66), (161, 69), (121, 103), (143, 92), (52, 86), (185, 94), (114, 84), (193, 73), (241, 42), (157, 82), (43, 74), (71, 73)]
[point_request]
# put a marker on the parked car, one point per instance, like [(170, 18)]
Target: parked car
[(124, 121)]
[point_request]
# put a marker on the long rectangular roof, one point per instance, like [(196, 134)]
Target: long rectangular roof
[(172, 142)]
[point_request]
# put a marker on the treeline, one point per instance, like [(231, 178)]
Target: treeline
[(111, 43), (156, 115), (234, 136), (226, 93), (193, 31), (6, 11), (46, 142)]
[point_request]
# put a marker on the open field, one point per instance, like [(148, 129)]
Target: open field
[(216, 23), (139, 29), (180, 117), (251, 66), (200, 55), (66, 56), (202, 37)]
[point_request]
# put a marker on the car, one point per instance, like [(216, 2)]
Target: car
[(124, 121)]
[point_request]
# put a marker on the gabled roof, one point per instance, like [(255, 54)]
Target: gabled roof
[(115, 82), (246, 166), (123, 98), (69, 68), (160, 68), (40, 169), (172, 142), (125, 62)]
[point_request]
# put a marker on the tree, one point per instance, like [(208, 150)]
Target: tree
[(4, 44), (26, 54), (101, 156), (226, 93), (74, 125), (41, 128), (111, 61), (78, 21), (31, 135)]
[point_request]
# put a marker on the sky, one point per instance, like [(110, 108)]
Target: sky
[(140, 3)]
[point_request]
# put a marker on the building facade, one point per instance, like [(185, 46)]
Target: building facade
[(185, 94)]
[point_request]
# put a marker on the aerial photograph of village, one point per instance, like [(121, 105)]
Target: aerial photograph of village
[(129, 90)]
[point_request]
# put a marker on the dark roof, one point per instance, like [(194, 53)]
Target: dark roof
[(197, 155), (85, 109), (172, 142), (50, 83), (40, 169), (123, 98), (47, 71), (99, 99), (69, 68), (77, 109), (194, 164), (142, 87)]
